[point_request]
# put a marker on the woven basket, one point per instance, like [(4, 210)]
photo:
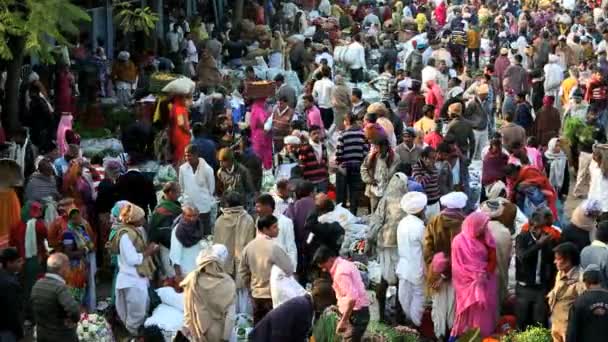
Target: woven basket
[(260, 89)]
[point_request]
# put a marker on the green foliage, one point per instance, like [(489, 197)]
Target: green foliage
[(38, 22), (390, 334), (133, 18), (532, 334), (325, 327)]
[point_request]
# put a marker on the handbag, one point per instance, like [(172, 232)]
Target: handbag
[(268, 123)]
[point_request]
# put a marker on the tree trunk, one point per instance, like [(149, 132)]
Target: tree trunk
[(238, 11), (13, 75)]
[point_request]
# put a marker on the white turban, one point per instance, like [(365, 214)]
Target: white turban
[(217, 251), (494, 190), (124, 56), (413, 202), (454, 200), (33, 76), (220, 252), (291, 140)]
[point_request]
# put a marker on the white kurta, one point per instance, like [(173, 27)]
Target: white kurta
[(183, 256), (131, 288), (410, 268), (286, 238), (198, 185)]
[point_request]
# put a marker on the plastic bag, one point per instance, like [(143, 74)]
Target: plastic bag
[(167, 318), (374, 272), (169, 297), (166, 173), (243, 302), (341, 215), (282, 287), (243, 324), (181, 86)]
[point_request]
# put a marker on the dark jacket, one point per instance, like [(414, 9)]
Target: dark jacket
[(291, 321), (526, 251), (138, 189), (462, 131), (577, 236), (53, 304), (11, 315), (588, 317), (476, 114), (325, 234)]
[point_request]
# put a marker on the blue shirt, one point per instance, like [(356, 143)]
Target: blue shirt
[(207, 149)]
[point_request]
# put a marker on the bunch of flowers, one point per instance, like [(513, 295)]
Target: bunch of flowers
[(94, 328)]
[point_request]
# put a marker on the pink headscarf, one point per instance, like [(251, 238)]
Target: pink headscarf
[(65, 124), (474, 286)]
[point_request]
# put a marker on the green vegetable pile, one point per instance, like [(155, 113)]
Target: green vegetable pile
[(533, 334), (325, 328), (389, 334)]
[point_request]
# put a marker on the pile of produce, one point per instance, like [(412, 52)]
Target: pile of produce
[(533, 334), (379, 332)]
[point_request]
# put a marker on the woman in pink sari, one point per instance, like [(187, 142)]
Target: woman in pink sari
[(65, 124), (474, 277), (261, 140)]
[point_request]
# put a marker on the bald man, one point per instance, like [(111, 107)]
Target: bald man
[(56, 312)]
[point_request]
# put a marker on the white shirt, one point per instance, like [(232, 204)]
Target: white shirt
[(192, 54), (185, 257), (174, 39), (410, 233), (280, 205), (322, 92), (356, 54), (128, 259), (598, 185), (199, 185), (286, 238), (327, 56)]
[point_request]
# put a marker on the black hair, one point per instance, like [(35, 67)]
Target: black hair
[(371, 117), (308, 98), (357, 93), (592, 277), (532, 141), (304, 188), (444, 147), (518, 58), (602, 231), (266, 199), (426, 152), (193, 149), (569, 251), (232, 199), (283, 184), (323, 254), (509, 116), (512, 169), (279, 78), (314, 128), (326, 206), (7, 255), (266, 222)]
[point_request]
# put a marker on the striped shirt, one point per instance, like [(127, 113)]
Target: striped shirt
[(429, 180), (352, 147), (313, 170)]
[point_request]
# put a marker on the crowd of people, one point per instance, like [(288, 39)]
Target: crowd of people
[(479, 174)]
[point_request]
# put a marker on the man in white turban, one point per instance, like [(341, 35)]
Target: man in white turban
[(410, 268), (438, 236), (502, 236)]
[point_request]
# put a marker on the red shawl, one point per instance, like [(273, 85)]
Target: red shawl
[(531, 175)]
